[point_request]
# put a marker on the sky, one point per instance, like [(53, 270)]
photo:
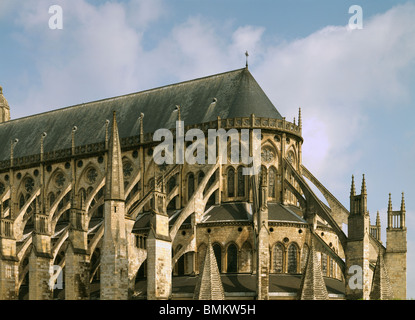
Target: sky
[(355, 87)]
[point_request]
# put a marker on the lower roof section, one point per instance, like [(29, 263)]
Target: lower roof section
[(243, 286)]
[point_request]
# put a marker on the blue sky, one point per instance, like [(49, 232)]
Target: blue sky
[(355, 87)]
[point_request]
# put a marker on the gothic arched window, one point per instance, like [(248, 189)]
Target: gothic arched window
[(292, 258), (190, 185), (278, 258), (218, 254), (324, 264), (232, 258), (231, 182), (271, 182), (241, 183)]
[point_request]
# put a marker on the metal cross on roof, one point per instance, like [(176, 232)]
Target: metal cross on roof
[(247, 55)]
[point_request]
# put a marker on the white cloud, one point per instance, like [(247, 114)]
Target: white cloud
[(339, 77)]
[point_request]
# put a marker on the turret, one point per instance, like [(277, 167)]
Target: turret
[(357, 251), (4, 108), (396, 249)]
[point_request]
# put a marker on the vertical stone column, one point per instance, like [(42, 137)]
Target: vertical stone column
[(40, 261), (133, 256), (77, 260), (263, 245), (114, 263), (159, 253), (396, 249), (8, 263)]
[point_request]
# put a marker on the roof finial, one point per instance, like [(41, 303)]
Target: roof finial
[(177, 108), (403, 202), (364, 191), (352, 188), (247, 55), (390, 203)]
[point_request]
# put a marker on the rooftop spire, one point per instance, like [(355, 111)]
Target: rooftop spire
[(403, 203), (390, 203), (352, 189), (364, 191), (377, 219), (4, 107), (300, 122), (114, 183)]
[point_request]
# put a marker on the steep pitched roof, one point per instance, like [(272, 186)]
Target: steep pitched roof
[(209, 285), (312, 286), (381, 287), (237, 95)]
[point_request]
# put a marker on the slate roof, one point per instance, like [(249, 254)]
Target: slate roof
[(279, 212), (232, 283), (237, 94), (240, 211)]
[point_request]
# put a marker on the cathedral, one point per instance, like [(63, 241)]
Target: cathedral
[(87, 213)]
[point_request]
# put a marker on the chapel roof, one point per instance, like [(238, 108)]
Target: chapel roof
[(236, 94)]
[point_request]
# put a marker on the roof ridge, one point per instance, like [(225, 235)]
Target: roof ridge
[(83, 104)]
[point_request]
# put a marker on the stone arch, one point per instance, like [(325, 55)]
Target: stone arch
[(241, 182), (293, 258), (91, 176), (51, 199), (232, 257), (141, 272), (57, 180), (190, 185), (269, 143), (218, 251), (27, 185), (272, 182), (200, 176), (127, 168), (179, 267), (172, 183), (95, 264), (292, 151), (278, 257), (230, 182)]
